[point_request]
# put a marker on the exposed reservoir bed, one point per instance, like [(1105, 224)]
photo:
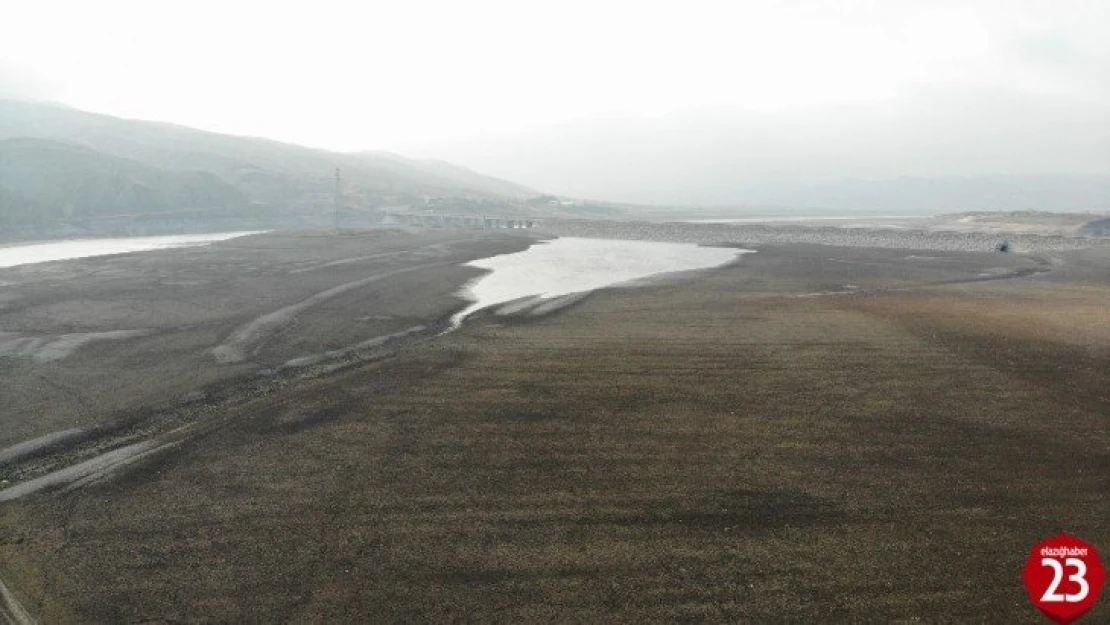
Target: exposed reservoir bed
[(622, 460), (93, 339), (329, 324)]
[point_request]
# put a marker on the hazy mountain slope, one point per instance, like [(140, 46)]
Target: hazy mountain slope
[(267, 171), (933, 150), (461, 176), (43, 181), (919, 195)]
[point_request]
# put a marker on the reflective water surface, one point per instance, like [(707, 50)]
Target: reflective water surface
[(83, 248), (567, 266)]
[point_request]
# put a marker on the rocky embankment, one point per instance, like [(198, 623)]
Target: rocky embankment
[(710, 233)]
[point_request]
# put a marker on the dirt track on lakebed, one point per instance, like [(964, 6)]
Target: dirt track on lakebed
[(813, 433), (86, 339)]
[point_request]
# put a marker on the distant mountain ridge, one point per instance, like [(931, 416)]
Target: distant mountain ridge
[(922, 195), (59, 163), (924, 150)]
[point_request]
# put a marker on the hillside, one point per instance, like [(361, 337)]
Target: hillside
[(60, 164), (452, 174), (44, 181)]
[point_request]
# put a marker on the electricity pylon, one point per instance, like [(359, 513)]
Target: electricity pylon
[(338, 190)]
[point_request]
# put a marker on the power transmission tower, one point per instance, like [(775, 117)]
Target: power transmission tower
[(338, 189)]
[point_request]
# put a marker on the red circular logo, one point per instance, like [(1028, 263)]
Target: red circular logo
[(1064, 576)]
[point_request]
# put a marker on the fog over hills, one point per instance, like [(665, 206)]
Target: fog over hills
[(929, 150), (61, 167)]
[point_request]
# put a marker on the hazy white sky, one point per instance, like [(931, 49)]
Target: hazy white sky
[(386, 75)]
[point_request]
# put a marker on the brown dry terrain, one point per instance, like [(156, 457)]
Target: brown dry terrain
[(813, 433)]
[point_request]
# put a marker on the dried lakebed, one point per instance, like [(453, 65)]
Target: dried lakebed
[(85, 405), (711, 449)]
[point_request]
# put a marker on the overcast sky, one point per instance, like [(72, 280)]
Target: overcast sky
[(414, 76)]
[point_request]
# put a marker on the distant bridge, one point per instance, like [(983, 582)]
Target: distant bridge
[(349, 217), (474, 222)]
